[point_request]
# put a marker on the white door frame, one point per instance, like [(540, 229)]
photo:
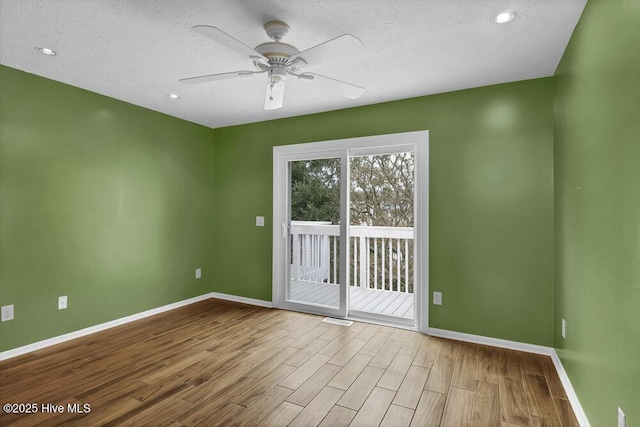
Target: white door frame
[(419, 143)]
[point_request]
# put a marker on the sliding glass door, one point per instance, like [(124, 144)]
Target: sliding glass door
[(346, 242)]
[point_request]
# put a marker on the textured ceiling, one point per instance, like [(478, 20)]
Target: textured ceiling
[(136, 51)]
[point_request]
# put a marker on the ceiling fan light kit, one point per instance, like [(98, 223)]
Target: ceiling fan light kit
[(279, 60)]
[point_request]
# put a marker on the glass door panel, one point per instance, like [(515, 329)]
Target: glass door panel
[(314, 241), (381, 229)]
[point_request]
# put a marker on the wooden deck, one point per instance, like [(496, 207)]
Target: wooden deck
[(376, 301)]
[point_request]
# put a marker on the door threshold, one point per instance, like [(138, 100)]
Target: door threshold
[(356, 318), (382, 322), (335, 321)]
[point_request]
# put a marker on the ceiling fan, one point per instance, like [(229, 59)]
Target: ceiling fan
[(279, 60)]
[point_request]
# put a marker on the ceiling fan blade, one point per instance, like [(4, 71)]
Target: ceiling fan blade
[(225, 39), (330, 50), (274, 96), (221, 76), (323, 82)]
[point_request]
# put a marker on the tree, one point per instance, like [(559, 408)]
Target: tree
[(382, 190), (315, 190)]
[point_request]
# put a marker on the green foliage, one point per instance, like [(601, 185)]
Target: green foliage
[(381, 190), (315, 190)]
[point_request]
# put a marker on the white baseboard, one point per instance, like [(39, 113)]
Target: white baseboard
[(528, 348), (571, 393), (97, 328), (244, 300), (494, 342)]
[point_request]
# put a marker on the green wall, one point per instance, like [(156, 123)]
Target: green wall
[(597, 210), (491, 201), (107, 203)]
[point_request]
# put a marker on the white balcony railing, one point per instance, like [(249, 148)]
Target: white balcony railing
[(381, 257)]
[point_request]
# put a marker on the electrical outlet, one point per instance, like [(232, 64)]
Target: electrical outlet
[(564, 329), (198, 273), (437, 298), (62, 303), (259, 221), (7, 313), (622, 420)]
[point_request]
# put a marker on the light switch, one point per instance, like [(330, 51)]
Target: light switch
[(259, 221), (198, 273), (437, 298)]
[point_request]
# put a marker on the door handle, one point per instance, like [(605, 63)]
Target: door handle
[(284, 230)]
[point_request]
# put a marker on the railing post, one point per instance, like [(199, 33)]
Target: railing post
[(364, 265), (355, 262), (315, 260), (375, 263), (391, 264), (398, 280), (384, 270), (308, 256), (324, 257), (335, 260), (295, 248), (406, 265)]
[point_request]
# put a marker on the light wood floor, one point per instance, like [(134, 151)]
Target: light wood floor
[(221, 363)]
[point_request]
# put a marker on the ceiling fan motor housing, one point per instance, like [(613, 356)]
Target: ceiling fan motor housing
[(279, 56), (277, 52)]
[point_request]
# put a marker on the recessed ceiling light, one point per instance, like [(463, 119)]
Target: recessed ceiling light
[(46, 51), (504, 17), (173, 96)]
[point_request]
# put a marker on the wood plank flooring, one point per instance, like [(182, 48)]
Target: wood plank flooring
[(222, 363)]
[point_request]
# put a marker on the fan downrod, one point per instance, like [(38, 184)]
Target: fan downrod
[(276, 30)]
